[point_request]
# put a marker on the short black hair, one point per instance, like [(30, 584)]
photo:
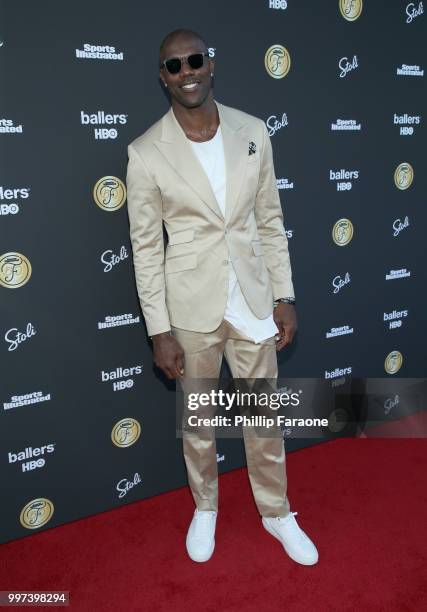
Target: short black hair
[(178, 32)]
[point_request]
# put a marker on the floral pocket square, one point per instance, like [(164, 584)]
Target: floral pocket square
[(252, 147)]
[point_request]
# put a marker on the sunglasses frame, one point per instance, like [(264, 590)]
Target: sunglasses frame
[(182, 60)]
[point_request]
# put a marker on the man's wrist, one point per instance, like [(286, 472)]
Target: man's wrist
[(285, 300), (154, 336)]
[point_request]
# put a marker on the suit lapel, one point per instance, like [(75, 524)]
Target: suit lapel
[(236, 145), (179, 153), (175, 147)]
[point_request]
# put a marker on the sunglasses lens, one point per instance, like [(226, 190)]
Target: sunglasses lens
[(173, 65), (195, 61)]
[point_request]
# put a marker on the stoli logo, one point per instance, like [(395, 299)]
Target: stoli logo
[(338, 283), (399, 225), (346, 66), (125, 485), (14, 337), (110, 259), (413, 12), (274, 124)]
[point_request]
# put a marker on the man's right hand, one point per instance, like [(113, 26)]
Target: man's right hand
[(168, 355)]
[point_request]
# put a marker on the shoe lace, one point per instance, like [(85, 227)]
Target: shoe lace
[(203, 522), (283, 519)]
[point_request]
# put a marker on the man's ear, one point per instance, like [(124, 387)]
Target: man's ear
[(212, 65)]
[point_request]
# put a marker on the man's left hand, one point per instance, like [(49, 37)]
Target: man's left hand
[(285, 317)]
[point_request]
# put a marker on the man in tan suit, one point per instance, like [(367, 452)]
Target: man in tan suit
[(205, 172)]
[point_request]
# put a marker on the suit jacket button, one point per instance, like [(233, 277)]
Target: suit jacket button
[(225, 262)]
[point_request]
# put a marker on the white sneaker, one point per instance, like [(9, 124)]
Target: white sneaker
[(201, 535), (295, 542)]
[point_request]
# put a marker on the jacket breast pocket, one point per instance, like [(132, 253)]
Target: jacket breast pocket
[(253, 158), (180, 263), (257, 248)]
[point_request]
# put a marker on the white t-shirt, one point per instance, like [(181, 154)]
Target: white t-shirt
[(237, 312)]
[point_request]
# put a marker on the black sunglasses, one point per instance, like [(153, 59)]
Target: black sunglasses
[(174, 64)]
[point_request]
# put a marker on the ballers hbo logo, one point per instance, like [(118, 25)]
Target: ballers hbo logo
[(342, 232), (36, 513), (351, 9), (403, 175), (15, 270), (277, 61), (393, 362), (126, 432), (109, 193)]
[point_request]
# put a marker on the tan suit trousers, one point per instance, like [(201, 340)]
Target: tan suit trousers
[(265, 455)]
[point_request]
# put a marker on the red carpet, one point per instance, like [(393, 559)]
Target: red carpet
[(363, 501)]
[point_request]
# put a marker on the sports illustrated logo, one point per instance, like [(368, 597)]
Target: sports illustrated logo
[(405, 121), (283, 183), (339, 331), (126, 432), (277, 4), (394, 274), (32, 453), (110, 259), (390, 403), (406, 70), (109, 193), (125, 485), (118, 373), (338, 282), (15, 270), (399, 225), (277, 61), (403, 175), (14, 338), (105, 52), (338, 372), (7, 127), (273, 124), (393, 362), (7, 194), (103, 118), (118, 321), (220, 458), (23, 400), (349, 125), (36, 513), (412, 11), (344, 178), (342, 232), (346, 66), (351, 9), (289, 233), (394, 319)]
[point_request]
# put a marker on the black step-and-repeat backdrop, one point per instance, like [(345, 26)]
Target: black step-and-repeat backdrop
[(87, 423)]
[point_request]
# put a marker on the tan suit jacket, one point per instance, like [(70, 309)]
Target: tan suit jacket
[(187, 285)]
